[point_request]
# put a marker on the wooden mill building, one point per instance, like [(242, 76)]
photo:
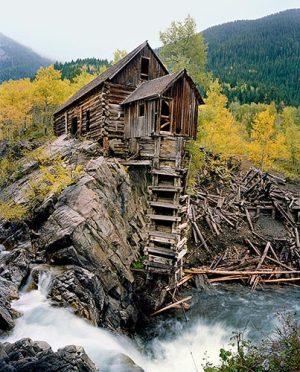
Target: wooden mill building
[(139, 112)]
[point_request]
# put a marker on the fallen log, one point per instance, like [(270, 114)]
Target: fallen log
[(248, 272), (227, 278), (171, 306), (281, 280), (185, 279)]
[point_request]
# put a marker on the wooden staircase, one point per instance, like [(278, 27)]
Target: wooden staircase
[(167, 213)]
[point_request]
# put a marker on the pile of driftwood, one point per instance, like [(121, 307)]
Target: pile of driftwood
[(262, 257)]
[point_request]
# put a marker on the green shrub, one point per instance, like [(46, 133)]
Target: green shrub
[(278, 353), (10, 211), (138, 264)]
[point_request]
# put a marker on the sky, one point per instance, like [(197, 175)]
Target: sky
[(69, 29)]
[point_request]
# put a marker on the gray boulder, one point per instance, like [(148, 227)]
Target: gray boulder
[(26, 355)]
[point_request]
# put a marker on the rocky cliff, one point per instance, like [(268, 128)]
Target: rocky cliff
[(87, 236)]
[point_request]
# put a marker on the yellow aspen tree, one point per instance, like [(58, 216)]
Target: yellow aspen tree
[(50, 91), (218, 130), (81, 80), (267, 144), (118, 55), (292, 138), (15, 107)]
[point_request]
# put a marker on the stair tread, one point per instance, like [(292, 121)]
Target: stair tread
[(166, 172), (163, 234), (163, 217), (166, 188), (164, 205)]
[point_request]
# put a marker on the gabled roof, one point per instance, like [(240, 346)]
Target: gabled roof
[(107, 75), (157, 87)]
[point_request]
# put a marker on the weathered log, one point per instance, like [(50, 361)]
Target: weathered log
[(171, 306), (246, 272)]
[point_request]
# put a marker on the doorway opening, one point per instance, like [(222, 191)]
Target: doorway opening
[(74, 126)]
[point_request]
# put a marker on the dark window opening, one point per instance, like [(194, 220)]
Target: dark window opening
[(74, 126), (87, 121), (145, 68), (141, 109), (165, 117), (165, 108)]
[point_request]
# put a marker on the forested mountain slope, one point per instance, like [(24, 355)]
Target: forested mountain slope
[(73, 68), (18, 61), (259, 59)]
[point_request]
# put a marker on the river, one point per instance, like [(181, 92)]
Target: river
[(172, 344)]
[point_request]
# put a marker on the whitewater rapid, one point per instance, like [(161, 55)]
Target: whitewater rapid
[(176, 346)]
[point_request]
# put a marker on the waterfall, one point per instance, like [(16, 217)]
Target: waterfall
[(176, 345)]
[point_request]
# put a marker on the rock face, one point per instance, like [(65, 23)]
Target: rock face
[(92, 231), (14, 267), (8, 292), (26, 355)]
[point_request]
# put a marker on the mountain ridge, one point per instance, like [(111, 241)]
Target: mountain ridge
[(18, 61)]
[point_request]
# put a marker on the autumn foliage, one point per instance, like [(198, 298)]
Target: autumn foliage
[(268, 137), (26, 107)]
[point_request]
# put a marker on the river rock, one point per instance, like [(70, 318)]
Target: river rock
[(123, 363), (26, 355), (14, 266), (201, 282), (82, 291), (8, 292)]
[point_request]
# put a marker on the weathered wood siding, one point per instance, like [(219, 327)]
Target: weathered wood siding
[(96, 105), (183, 113), (131, 74), (140, 126), (185, 108)]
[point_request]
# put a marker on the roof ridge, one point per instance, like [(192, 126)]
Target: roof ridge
[(152, 84), (108, 74)]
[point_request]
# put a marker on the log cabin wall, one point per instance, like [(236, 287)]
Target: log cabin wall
[(114, 122), (131, 74), (59, 124), (90, 114)]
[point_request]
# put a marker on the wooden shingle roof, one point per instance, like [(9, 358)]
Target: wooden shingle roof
[(157, 87), (106, 75)]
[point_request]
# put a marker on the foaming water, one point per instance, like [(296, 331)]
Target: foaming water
[(172, 345), (60, 327), (189, 348)]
